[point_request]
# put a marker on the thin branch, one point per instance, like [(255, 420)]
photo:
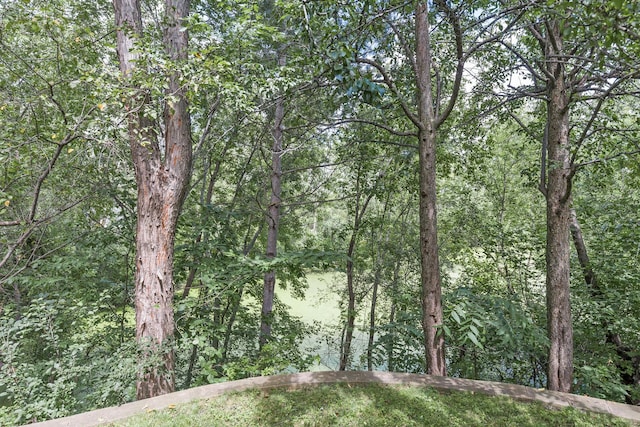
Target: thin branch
[(33, 226), (606, 159), (461, 58), (320, 166), (375, 17), (372, 123), (208, 126), (594, 114), (44, 255), (495, 37), (572, 77), (523, 60), (539, 94), (389, 82), (405, 46), (70, 137), (523, 126)]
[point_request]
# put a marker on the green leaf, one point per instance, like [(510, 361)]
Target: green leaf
[(455, 317), (474, 330), (474, 339)]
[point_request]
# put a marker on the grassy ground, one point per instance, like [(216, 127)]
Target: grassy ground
[(371, 405)]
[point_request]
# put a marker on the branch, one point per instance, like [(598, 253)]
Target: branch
[(379, 15), (542, 185), (306, 168), (523, 126), (32, 227), (70, 137), (577, 67), (389, 82), (606, 159), (594, 114), (207, 128), (372, 123), (522, 59), (405, 46), (550, 37), (535, 31), (496, 37), (460, 56), (540, 94), (14, 272)]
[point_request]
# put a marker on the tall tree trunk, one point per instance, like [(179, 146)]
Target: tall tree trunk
[(345, 351), (392, 316), (273, 215), (432, 315), (558, 197), (372, 318), (378, 257), (162, 180)]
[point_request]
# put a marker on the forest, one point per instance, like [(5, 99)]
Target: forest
[(460, 177)]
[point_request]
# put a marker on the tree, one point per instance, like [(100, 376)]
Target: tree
[(427, 116), (362, 198), (575, 79), (558, 197), (162, 164), (31, 196), (273, 212)]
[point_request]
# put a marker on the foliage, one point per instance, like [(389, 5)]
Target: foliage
[(67, 194), (50, 370)]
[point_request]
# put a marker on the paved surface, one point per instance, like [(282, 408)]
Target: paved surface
[(517, 392)]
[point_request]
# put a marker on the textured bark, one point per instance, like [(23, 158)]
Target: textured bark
[(432, 315), (161, 182), (558, 197), (273, 216)]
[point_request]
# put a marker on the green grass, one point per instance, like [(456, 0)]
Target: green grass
[(371, 405)]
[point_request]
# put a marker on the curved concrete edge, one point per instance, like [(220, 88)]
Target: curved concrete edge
[(305, 379)]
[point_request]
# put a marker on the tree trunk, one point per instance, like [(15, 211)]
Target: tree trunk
[(583, 256), (558, 197), (432, 316), (162, 184), (372, 318), (351, 303), (392, 316), (273, 216)]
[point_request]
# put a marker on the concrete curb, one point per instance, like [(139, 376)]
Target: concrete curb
[(305, 379)]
